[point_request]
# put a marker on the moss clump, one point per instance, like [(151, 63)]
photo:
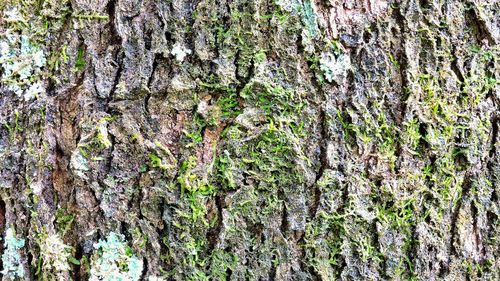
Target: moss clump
[(265, 141), (64, 220)]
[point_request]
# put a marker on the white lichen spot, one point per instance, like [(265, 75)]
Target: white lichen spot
[(290, 6), (4, 49), (335, 69), (39, 59), (13, 15), (202, 108), (37, 188), (33, 91), (11, 258), (113, 260), (180, 52), (307, 42)]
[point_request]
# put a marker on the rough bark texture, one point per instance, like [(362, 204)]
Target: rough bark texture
[(250, 139)]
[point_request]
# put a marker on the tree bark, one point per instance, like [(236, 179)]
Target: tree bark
[(251, 139)]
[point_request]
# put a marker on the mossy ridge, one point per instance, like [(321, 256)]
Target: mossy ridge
[(33, 28), (40, 23), (261, 139), (443, 132), (260, 145)]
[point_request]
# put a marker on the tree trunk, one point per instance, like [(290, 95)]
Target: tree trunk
[(250, 139)]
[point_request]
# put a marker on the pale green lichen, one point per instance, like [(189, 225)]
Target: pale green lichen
[(55, 255), (102, 136), (11, 258), (22, 60), (79, 163), (21, 63), (114, 261)]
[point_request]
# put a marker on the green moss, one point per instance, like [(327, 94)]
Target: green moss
[(161, 158), (139, 239), (222, 262), (80, 62), (64, 220), (369, 132), (156, 162), (225, 170), (89, 17), (323, 244), (13, 129), (400, 215)]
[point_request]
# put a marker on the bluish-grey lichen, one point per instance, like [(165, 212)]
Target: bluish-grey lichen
[(11, 258), (309, 19), (114, 261)]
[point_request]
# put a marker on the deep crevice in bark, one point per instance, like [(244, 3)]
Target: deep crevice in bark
[(2, 228)]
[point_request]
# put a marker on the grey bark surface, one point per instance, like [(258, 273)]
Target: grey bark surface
[(254, 140)]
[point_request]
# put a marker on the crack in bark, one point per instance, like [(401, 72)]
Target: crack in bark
[(284, 217), (466, 186), (213, 234), (2, 227), (324, 164), (481, 30), (115, 39), (119, 58)]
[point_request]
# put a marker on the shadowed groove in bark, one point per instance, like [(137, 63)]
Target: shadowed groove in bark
[(2, 227), (213, 234), (466, 186), (495, 137), (323, 165), (480, 30)]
